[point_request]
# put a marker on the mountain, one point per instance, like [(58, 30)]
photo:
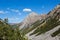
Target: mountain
[(30, 19), (54, 11), (52, 18), (50, 25)]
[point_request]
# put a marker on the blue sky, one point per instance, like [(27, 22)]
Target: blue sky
[(17, 10)]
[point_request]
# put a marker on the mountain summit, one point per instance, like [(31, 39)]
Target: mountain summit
[(30, 19), (56, 9)]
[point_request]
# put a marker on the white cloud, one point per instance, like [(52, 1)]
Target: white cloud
[(15, 10), (3, 12), (27, 10)]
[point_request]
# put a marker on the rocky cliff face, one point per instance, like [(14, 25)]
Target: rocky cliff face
[(45, 36), (30, 19)]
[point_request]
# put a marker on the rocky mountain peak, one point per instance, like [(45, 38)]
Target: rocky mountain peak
[(30, 19), (58, 6), (55, 10), (33, 14)]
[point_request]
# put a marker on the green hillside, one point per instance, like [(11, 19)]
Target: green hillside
[(7, 32)]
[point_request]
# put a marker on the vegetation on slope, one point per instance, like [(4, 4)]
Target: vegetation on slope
[(50, 23), (7, 32)]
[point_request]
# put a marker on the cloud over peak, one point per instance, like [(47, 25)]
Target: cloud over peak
[(27, 10)]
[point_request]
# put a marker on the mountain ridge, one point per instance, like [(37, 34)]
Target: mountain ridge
[(31, 18)]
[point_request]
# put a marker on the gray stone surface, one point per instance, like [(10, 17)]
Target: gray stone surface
[(46, 36)]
